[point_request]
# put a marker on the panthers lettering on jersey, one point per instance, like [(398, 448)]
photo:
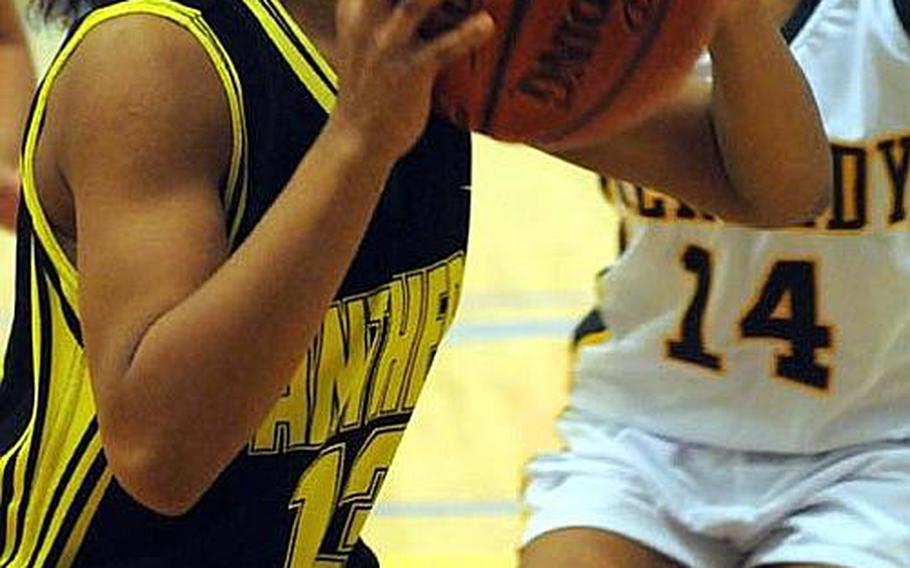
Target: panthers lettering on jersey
[(792, 340), (300, 492)]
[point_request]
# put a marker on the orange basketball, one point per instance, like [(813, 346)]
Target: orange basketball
[(567, 71)]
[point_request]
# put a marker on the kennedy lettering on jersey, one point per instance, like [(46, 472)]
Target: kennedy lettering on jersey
[(853, 206)]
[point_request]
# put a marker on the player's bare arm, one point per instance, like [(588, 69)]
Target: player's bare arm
[(17, 80), (750, 148), (190, 346)]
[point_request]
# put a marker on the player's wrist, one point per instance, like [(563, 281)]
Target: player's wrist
[(357, 145), (360, 141)]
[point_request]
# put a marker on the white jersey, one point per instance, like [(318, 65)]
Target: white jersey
[(795, 340)]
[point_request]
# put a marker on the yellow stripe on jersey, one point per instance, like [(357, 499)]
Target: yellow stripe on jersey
[(188, 19), (308, 45), (591, 339), (42, 490), (68, 503), (12, 514), (55, 485), (273, 18), (21, 450), (84, 520)]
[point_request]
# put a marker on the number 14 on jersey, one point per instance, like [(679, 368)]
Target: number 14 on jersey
[(786, 311)]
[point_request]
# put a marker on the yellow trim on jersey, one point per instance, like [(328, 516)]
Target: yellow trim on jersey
[(69, 496), (311, 48), (21, 449), (46, 480), (188, 19), (85, 519), (67, 360), (592, 339), (308, 75), (12, 517)]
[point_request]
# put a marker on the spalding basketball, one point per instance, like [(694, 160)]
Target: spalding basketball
[(569, 71)]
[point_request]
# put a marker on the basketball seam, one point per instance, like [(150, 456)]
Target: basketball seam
[(491, 100), (627, 73)]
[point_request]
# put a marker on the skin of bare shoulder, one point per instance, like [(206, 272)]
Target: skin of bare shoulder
[(17, 80), (137, 83), (137, 86)]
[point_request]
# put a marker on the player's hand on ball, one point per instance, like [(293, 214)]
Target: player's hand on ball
[(386, 70)]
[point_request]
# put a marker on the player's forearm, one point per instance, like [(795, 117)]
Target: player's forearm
[(207, 372), (749, 150), (766, 123), (17, 79)]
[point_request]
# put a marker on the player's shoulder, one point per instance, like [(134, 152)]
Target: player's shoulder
[(138, 83), (128, 46)]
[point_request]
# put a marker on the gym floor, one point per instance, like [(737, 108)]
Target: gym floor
[(540, 230)]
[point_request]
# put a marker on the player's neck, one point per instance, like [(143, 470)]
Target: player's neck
[(317, 19)]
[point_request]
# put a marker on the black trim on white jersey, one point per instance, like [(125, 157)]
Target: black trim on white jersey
[(592, 323), (800, 16), (902, 7)]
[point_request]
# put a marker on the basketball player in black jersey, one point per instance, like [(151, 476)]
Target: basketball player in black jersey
[(17, 80), (242, 241)]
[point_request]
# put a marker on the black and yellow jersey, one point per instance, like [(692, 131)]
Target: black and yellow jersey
[(298, 495)]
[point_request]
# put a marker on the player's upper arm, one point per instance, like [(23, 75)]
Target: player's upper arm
[(140, 129)]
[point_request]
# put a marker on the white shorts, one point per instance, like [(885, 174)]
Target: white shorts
[(709, 507)]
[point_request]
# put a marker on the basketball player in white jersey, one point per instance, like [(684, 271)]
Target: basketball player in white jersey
[(750, 404), (17, 79)]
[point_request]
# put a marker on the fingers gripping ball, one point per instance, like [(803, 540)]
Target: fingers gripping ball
[(570, 71)]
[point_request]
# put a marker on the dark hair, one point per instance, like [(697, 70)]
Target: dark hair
[(65, 11)]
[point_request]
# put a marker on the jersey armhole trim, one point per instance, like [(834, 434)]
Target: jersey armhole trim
[(190, 20), (902, 7), (798, 19), (297, 49)]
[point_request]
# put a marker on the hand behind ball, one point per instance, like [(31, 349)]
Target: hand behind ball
[(386, 70)]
